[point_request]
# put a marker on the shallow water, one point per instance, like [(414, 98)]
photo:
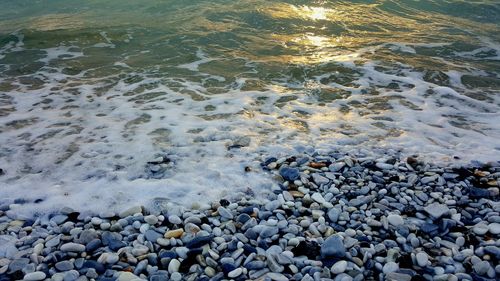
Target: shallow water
[(91, 91)]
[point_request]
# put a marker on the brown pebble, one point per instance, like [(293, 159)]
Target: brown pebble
[(412, 161), (296, 194), (177, 233), (317, 165)]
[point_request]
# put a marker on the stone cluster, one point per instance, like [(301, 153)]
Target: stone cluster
[(332, 217)]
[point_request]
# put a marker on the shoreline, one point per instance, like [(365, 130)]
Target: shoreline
[(332, 217)]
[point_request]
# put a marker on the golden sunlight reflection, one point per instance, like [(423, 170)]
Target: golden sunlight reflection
[(315, 13), (57, 21), (337, 33)]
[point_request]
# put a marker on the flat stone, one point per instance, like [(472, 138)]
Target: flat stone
[(151, 219), (318, 198), (482, 267), (53, 242), (131, 211), (395, 220), (494, 228), (108, 258), (73, 247), (64, 265), (426, 180), (395, 276), (152, 235), (333, 247), (277, 276), (339, 267), (480, 229), (429, 228), (34, 276), (319, 179), (436, 210), (289, 174), (98, 267), (390, 267), (128, 276), (384, 166), (492, 250), (18, 264), (139, 250), (296, 194), (235, 273), (268, 231), (87, 235), (333, 214), (335, 167), (59, 219), (71, 275), (199, 241), (177, 233), (225, 213), (174, 219)]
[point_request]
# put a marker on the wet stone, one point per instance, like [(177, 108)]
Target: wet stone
[(436, 210), (152, 235), (289, 174), (73, 247), (333, 247), (64, 265), (199, 241), (225, 213), (35, 276)]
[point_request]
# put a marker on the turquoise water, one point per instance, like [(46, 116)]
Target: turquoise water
[(91, 91)]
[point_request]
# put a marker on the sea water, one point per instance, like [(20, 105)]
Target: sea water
[(111, 103)]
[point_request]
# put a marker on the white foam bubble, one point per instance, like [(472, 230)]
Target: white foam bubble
[(69, 142)]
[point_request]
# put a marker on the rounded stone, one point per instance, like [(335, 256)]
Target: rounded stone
[(480, 229), (235, 273), (339, 267), (176, 276), (395, 220), (482, 267), (422, 259), (174, 219), (173, 266), (73, 247), (64, 265), (34, 276), (390, 267), (494, 228), (151, 219)]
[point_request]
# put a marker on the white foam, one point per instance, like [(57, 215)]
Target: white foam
[(482, 53), (91, 151), (193, 66), (61, 52)]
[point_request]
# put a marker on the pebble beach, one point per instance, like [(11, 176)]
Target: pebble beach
[(330, 217)]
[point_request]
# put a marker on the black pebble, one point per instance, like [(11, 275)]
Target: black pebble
[(224, 203), (227, 267), (307, 248), (410, 210), (418, 278), (405, 261), (99, 268), (73, 216), (199, 241)]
